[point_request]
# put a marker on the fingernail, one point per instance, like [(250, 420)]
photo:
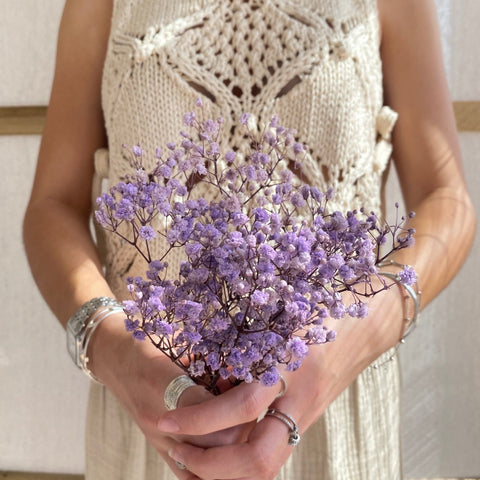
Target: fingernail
[(168, 425)]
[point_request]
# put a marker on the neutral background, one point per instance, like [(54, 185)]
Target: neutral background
[(43, 397)]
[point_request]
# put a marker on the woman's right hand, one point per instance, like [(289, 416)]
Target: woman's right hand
[(138, 374)]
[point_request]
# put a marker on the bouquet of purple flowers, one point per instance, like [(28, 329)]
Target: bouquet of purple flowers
[(265, 262)]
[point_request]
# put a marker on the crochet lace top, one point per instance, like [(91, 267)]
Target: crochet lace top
[(314, 63)]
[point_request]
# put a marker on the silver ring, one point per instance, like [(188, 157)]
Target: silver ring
[(293, 433), (181, 466), (284, 386), (175, 389)]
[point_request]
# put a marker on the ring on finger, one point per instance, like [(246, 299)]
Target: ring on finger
[(293, 433), (284, 387), (175, 389), (181, 466)]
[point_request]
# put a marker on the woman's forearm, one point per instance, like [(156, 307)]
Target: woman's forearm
[(62, 256), (445, 226)]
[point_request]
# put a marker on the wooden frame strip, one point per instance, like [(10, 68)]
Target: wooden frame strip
[(467, 115), (30, 120), (22, 120), (38, 476)]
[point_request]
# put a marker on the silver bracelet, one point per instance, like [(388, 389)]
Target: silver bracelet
[(411, 319), (78, 325), (92, 325)]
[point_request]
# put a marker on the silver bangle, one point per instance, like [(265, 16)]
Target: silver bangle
[(80, 324), (92, 325), (175, 389), (411, 319), (293, 433)]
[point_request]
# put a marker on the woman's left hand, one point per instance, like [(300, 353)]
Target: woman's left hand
[(324, 374)]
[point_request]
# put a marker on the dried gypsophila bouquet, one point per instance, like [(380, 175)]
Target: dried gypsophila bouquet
[(265, 261)]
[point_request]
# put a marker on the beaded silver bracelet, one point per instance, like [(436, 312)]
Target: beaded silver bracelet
[(411, 319)]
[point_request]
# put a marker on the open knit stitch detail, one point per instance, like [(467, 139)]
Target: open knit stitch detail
[(321, 74)]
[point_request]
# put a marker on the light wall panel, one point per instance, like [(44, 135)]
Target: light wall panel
[(28, 35), (43, 398)]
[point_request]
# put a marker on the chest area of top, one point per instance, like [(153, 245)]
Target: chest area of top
[(252, 37)]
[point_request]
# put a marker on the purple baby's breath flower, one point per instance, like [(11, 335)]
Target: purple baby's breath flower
[(298, 200), (230, 156), (267, 251), (156, 304), (214, 148), (338, 310), (408, 275), (297, 148), (316, 194), (139, 335), (362, 310), (297, 347), (130, 307), (189, 118), (245, 118), (189, 310), (162, 328), (181, 190), (193, 248), (261, 215), (264, 158), (131, 325), (137, 151), (197, 368), (259, 298), (274, 121), (147, 233), (102, 217), (270, 377), (165, 171), (317, 334), (125, 210), (213, 360), (331, 335)]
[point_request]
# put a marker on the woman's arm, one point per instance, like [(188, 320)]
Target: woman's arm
[(426, 150), (60, 249), (427, 159)]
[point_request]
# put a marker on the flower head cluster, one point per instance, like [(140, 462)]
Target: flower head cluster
[(265, 261)]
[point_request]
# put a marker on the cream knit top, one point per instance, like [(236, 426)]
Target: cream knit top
[(315, 64)]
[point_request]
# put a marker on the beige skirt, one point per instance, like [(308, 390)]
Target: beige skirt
[(356, 439)]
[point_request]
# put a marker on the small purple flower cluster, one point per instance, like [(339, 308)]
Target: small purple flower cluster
[(265, 261)]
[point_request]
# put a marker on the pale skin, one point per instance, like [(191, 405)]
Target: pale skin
[(229, 444)]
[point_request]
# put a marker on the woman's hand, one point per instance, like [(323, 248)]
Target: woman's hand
[(138, 374), (325, 373)]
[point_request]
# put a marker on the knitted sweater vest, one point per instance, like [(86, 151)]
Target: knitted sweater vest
[(315, 64)]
